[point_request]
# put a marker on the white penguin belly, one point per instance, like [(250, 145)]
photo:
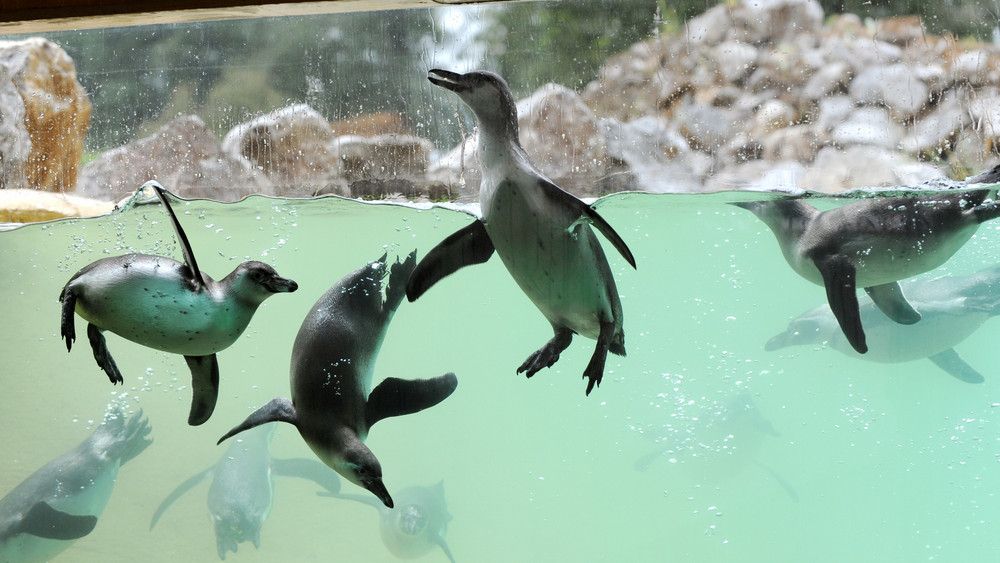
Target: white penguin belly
[(554, 266), (881, 260), (148, 303)]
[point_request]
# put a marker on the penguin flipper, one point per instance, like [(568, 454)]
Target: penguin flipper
[(469, 245), (308, 469), (889, 298), (46, 522), (840, 279), (955, 366), (396, 397), (278, 409), (177, 493), (102, 355), (587, 212), (204, 387), (192, 264)]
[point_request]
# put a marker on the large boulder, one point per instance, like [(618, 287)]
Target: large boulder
[(183, 155), (56, 112), (292, 145)]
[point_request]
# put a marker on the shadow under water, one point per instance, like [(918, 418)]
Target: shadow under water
[(893, 456)]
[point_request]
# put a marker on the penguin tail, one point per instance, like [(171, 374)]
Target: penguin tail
[(617, 346)]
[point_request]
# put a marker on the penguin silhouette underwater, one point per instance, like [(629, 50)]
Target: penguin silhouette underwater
[(541, 233), (168, 306)]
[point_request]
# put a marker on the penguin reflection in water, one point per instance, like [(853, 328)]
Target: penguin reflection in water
[(169, 306), (416, 525), (331, 373), (61, 502), (541, 233), (875, 243), (242, 489)]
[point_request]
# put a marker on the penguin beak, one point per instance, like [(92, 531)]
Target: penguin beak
[(447, 79), (378, 489), (278, 284)]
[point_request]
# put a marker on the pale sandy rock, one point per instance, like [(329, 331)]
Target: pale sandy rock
[(30, 206), (15, 144)]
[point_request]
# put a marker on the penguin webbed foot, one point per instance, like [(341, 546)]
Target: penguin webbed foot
[(595, 368), (68, 327), (547, 355), (102, 355)]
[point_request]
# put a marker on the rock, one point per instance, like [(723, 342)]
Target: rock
[(15, 144), (796, 143), (708, 128), (833, 111), (292, 145), (867, 126), (836, 170), (757, 175), (771, 116), (30, 206), (709, 28), (56, 112), (734, 61), (382, 156), (652, 158), (900, 30), (774, 21), (934, 134), (978, 67), (893, 86), (830, 79), (184, 156)]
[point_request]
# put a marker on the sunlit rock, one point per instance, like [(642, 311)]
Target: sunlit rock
[(934, 134), (836, 170), (292, 146), (184, 156), (15, 144), (56, 113)]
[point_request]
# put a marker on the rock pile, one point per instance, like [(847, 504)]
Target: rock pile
[(750, 94)]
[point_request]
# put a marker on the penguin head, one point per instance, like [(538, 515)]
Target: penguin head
[(808, 328), (360, 466), (256, 281), (487, 94)]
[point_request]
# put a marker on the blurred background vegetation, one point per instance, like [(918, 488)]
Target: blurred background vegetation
[(345, 65)]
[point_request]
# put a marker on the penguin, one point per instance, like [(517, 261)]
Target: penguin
[(874, 243), (62, 501), (541, 233), (242, 489), (951, 309), (416, 525), (333, 359), (168, 306)]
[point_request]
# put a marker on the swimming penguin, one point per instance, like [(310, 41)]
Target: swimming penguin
[(331, 373), (874, 243), (951, 309), (719, 445), (242, 489), (417, 523), (169, 306), (61, 502), (541, 233)]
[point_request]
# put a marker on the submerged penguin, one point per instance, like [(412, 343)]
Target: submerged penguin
[(951, 309), (541, 233), (168, 306), (331, 374), (61, 502), (242, 489), (874, 243), (417, 523)]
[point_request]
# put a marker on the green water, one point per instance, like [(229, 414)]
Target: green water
[(872, 462)]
